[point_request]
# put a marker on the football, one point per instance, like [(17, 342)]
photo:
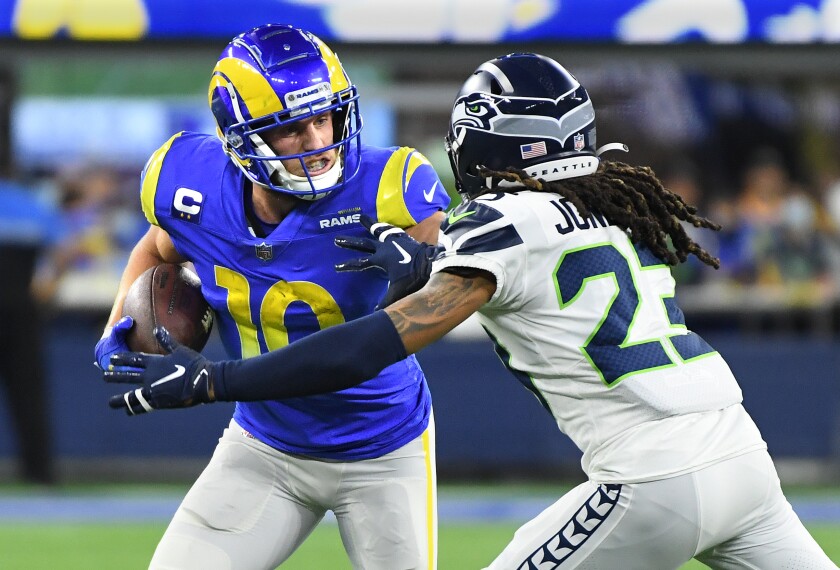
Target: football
[(167, 295)]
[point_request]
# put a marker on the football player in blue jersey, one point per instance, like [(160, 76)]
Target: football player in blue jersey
[(565, 259), (256, 209)]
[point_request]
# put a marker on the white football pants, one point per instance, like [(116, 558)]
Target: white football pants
[(729, 515), (253, 506)]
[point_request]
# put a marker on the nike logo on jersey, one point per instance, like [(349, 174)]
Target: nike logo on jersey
[(405, 257), (452, 219), (179, 371), (429, 194)]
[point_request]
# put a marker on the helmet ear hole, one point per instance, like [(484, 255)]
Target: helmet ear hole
[(496, 87)]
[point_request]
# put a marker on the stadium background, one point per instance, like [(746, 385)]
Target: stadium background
[(89, 88)]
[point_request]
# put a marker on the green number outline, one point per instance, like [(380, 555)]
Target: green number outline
[(670, 354)]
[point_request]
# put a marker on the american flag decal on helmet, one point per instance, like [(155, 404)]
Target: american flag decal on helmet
[(533, 150)]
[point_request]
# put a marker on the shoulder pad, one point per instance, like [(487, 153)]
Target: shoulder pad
[(149, 179)]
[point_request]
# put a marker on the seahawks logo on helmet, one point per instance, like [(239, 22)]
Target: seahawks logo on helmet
[(477, 113)]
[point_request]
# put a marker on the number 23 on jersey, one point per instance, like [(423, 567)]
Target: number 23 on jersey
[(608, 347)]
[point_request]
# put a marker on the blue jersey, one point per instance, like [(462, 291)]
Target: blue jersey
[(268, 292)]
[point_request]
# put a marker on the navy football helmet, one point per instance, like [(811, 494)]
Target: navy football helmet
[(522, 110), (274, 75)]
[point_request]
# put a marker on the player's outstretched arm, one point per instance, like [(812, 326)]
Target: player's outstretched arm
[(334, 359)]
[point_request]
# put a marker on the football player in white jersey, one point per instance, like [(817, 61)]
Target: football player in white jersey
[(565, 258)]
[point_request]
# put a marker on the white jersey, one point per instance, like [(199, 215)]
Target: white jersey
[(588, 322)]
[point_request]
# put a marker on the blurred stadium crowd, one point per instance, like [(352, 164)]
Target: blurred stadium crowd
[(99, 221)]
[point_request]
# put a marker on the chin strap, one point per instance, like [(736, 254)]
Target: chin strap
[(301, 183)]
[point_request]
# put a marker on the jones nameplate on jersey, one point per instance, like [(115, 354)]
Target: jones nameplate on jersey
[(573, 220)]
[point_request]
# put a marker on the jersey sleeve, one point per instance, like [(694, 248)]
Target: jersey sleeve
[(409, 190), (479, 235)]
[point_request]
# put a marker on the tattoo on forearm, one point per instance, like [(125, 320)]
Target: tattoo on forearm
[(444, 294)]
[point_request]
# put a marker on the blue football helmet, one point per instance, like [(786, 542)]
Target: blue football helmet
[(525, 111), (274, 75)]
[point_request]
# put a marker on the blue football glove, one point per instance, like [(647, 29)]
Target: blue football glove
[(112, 342), (407, 262), (182, 378)]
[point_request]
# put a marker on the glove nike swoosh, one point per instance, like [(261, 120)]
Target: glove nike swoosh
[(406, 258), (198, 378), (179, 371)]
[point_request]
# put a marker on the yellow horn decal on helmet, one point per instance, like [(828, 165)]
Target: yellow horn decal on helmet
[(338, 78), (254, 90)]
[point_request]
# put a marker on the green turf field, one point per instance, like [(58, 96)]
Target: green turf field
[(47, 545), (129, 546)]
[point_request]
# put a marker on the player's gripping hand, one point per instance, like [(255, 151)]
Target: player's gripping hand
[(407, 262), (179, 379), (112, 342)]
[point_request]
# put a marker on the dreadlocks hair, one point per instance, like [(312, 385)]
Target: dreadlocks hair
[(632, 198)]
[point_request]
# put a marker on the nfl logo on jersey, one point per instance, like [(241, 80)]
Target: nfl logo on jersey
[(578, 141), (264, 251)]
